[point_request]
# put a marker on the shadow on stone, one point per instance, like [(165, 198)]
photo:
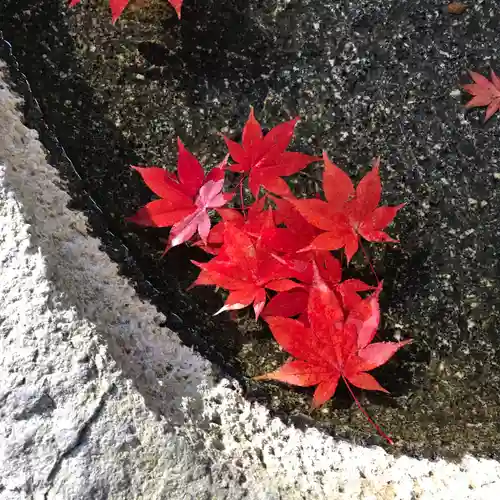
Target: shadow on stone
[(94, 144)]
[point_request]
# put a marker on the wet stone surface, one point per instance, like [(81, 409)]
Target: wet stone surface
[(369, 77)]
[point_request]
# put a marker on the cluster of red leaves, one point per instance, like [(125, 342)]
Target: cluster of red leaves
[(283, 245), (118, 6)]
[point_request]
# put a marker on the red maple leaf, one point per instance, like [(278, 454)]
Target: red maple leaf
[(118, 6), (484, 92), (263, 157), (177, 5), (275, 239), (348, 214), (301, 266), (245, 268), (184, 201), (288, 304), (251, 223), (287, 215), (335, 346), (300, 233), (292, 303)]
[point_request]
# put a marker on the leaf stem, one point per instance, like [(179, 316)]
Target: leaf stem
[(240, 185), (241, 196), (367, 258), (379, 429)]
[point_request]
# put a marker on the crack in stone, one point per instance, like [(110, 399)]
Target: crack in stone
[(81, 434)]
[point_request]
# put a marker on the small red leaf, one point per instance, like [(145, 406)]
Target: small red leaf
[(381, 217), (287, 304), (264, 157), (345, 218), (327, 241), (318, 213), (176, 4), (237, 154), (238, 299), (117, 7), (217, 173), (332, 347), (245, 268), (484, 92), (325, 390), (252, 133), (185, 201), (365, 319)]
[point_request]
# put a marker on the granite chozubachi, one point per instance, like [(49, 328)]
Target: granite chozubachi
[(368, 78)]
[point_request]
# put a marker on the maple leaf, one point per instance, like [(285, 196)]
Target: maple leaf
[(276, 239), (335, 346), (292, 303), (184, 200), (263, 157), (177, 5), (301, 266), (348, 214), (251, 223), (118, 6), (245, 268), (299, 234), (301, 230), (484, 92), (288, 304)]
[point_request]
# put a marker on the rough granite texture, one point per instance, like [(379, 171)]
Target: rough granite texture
[(369, 77), (85, 366)]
